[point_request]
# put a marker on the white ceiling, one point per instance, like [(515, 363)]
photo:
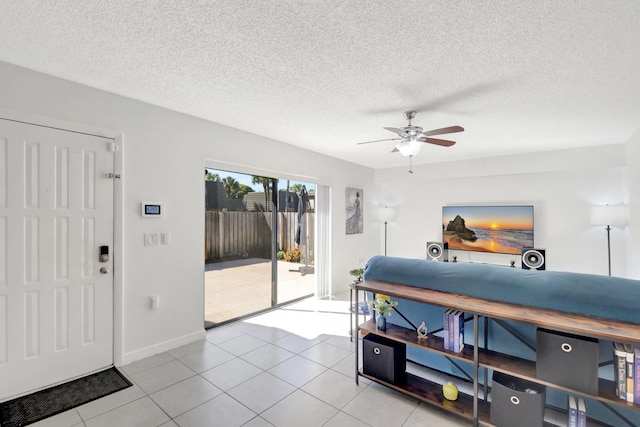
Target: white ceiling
[(519, 76)]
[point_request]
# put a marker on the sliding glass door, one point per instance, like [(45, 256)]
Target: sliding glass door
[(239, 267), (296, 241), (259, 244)]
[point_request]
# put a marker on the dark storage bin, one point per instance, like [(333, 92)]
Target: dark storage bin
[(567, 360), (516, 402), (384, 358)]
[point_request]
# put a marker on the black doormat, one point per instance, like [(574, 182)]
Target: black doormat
[(46, 403)]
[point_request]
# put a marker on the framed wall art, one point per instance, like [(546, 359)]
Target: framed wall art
[(353, 199)]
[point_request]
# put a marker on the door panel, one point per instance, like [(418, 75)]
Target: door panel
[(297, 281), (56, 209), (239, 267), (259, 228)]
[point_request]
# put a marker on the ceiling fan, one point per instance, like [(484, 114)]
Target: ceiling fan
[(411, 137)]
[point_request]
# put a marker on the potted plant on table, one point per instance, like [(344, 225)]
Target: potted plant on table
[(357, 273), (383, 306)]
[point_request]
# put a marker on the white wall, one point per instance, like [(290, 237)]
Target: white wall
[(164, 155), (562, 186), (633, 200)]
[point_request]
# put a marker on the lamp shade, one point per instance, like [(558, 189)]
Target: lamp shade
[(386, 214), (609, 215)]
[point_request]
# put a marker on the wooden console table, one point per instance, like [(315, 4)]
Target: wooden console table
[(471, 407)]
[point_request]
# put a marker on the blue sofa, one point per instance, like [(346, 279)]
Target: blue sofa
[(599, 296), (587, 294)]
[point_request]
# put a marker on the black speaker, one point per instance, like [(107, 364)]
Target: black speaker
[(438, 251), (533, 259)]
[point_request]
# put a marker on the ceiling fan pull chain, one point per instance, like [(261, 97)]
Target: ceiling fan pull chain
[(410, 164)]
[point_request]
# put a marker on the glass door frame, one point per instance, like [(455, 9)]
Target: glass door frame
[(274, 243)]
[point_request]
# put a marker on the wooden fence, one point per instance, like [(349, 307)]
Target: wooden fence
[(248, 234)]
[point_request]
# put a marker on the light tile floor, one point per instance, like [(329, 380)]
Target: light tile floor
[(289, 367)]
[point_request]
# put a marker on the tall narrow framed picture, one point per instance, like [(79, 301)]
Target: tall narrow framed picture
[(353, 201)]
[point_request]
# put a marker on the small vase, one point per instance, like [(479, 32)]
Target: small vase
[(381, 322)]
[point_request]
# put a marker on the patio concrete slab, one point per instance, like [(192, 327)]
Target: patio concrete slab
[(237, 288)]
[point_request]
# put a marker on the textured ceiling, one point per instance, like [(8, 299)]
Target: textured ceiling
[(519, 76)]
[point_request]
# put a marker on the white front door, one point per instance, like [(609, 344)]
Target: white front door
[(56, 297)]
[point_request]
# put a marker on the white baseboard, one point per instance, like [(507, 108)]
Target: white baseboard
[(162, 347)]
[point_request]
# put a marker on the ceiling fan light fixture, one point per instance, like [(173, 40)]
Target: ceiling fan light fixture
[(411, 138), (410, 147)]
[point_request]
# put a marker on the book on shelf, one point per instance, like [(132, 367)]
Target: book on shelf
[(455, 325), (582, 413), (628, 348), (447, 329), (572, 411), (636, 377), (620, 370), (362, 307), (458, 331), (451, 332)]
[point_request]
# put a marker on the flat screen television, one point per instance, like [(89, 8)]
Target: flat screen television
[(495, 229)]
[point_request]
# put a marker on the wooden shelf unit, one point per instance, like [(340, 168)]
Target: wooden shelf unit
[(471, 407), (430, 392)]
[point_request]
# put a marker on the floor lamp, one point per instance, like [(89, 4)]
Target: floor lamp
[(386, 214), (609, 215)]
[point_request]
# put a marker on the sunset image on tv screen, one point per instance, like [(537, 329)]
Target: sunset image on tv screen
[(497, 229)]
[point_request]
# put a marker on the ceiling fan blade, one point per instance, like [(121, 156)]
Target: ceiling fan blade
[(442, 142), (400, 132), (378, 140), (450, 129)]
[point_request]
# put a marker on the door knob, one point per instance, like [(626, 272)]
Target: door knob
[(104, 270)]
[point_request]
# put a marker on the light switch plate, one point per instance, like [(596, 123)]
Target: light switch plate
[(151, 239)]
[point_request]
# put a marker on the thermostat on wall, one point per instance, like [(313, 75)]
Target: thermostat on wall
[(152, 209)]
